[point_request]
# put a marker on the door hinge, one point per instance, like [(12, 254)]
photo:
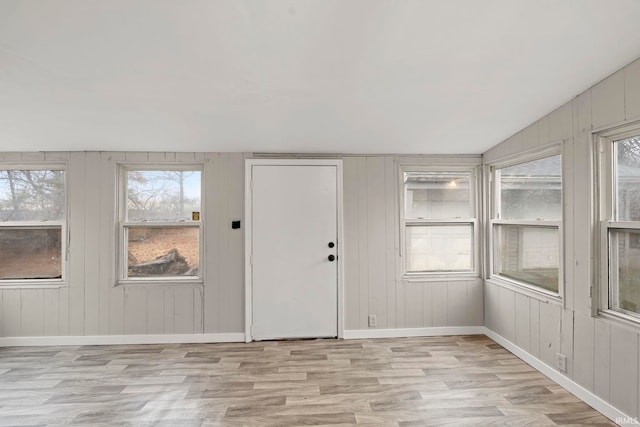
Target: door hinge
[(251, 184), (251, 259)]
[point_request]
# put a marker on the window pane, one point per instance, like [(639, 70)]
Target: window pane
[(30, 253), (439, 248), (163, 251), (625, 256), (628, 179), (31, 195), (528, 254), (167, 195), (437, 195), (532, 190)]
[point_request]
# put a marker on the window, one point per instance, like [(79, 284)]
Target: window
[(619, 174), (439, 221), (526, 220), (32, 224), (160, 228)]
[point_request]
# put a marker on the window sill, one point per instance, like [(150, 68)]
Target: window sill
[(28, 284), (530, 291), (438, 277), (621, 319), (172, 281)]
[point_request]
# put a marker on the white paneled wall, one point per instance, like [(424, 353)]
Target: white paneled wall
[(603, 356), (372, 264), (91, 304)]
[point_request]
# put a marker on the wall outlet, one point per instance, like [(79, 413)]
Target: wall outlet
[(561, 362), (372, 321)]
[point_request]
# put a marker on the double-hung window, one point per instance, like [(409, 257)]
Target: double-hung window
[(32, 224), (526, 221), (160, 229), (439, 221), (619, 191)]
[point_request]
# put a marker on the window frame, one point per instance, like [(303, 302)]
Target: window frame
[(34, 225), (606, 217), (123, 224), (493, 223), (474, 202)]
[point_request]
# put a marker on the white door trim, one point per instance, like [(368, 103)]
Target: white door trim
[(249, 163)]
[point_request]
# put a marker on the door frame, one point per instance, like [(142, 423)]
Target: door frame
[(248, 235)]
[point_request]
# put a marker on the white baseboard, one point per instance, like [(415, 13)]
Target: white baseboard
[(576, 389), (122, 339), (414, 332)]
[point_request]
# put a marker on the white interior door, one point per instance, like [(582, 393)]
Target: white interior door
[(294, 266)]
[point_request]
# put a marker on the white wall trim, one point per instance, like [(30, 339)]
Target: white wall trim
[(414, 332), (608, 410), (122, 339)]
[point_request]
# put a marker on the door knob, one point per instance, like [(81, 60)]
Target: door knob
[(331, 244), (331, 258)]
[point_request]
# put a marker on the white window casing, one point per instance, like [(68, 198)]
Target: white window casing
[(152, 224), (525, 237), (20, 218), (443, 222), (617, 236)]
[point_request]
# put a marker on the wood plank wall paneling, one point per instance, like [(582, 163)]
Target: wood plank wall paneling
[(568, 232), (212, 207), (376, 232), (632, 91), (392, 237), (351, 248), (373, 265), (235, 201), (76, 179), (92, 240), (93, 305), (363, 244), (602, 355)]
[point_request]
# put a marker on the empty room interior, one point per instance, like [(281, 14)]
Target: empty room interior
[(470, 254)]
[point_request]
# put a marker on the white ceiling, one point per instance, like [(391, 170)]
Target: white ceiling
[(343, 76)]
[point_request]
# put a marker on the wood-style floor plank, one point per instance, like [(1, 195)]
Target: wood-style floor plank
[(437, 381)]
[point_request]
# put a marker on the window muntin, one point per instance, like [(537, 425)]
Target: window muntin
[(161, 232), (439, 221), (32, 223), (526, 220), (619, 175)]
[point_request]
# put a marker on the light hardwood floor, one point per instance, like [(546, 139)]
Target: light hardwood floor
[(454, 381)]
